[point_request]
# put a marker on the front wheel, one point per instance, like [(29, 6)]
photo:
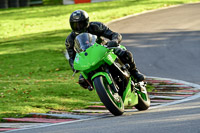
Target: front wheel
[(111, 100)]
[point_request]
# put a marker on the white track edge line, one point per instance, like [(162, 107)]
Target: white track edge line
[(195, 86)]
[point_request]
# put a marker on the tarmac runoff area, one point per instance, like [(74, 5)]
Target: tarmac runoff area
[(166, 92)]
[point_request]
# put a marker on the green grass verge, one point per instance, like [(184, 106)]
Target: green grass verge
[(34, 74)]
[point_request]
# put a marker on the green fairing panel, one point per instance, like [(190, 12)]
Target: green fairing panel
[(123, 47), (102, 74), (90, 58), (129, 98), (110, 58)]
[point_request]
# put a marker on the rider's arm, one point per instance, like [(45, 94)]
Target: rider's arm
[(69, 43), (100, 29), (115, 38)]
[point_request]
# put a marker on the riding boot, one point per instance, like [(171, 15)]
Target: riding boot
[(133, 69), (137, 75), (135, 72), (127, 57), (82, 82)]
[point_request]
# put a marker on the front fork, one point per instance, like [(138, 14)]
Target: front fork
[(113, 85)]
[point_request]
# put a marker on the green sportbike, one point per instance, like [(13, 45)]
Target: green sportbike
[(105, 73)]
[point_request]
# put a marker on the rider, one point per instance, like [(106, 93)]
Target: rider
[(79, 22)]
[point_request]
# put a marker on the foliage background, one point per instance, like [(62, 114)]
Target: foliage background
[(52, 2)]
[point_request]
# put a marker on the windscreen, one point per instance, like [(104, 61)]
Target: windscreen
[(83, 41)]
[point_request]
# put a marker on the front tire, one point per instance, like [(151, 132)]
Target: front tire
[(111, 100)]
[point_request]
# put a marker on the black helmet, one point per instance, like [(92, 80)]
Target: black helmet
[(79, 21)]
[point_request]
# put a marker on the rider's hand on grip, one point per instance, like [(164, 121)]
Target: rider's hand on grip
[(112, 44)]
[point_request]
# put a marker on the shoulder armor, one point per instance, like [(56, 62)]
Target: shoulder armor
[(97, 26)]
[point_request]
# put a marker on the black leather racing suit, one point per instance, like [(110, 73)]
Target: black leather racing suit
[(100, 30)]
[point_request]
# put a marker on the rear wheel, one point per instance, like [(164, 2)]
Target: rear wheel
[(143, 100), (111, 100)]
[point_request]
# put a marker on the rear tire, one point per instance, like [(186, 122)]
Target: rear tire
[(143, 101), (111, 100)]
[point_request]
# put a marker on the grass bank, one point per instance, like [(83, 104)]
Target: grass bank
[(34, 74)]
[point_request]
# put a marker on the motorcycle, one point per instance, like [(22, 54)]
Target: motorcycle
[(106, 73)]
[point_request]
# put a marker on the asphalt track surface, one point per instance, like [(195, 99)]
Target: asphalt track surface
[(165, 43)]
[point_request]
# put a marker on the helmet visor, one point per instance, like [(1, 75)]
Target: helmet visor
[(79, 26)]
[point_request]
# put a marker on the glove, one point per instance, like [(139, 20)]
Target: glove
[(112, 44), (119, 52)]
